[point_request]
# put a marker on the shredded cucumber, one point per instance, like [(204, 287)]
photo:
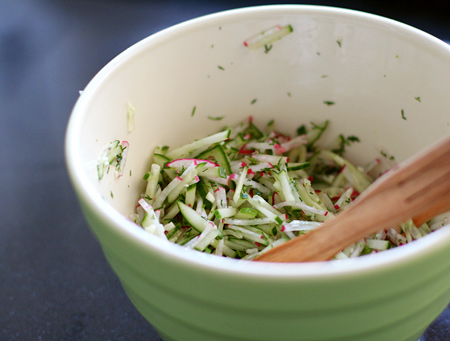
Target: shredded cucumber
[(244, 190), (268, 36), (114, 155)]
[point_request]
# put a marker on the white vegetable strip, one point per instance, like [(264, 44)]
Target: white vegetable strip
[(358, 248), (199, 206), (191, 147), (145, 205), (172, 212), (207, 236), (181, 164), (249, 222), (344, 199), (439, 221), (300, 225), (219, 248), (153, 180), (221, 181), (360, 180), (376, 244), (239, 184), (263, 189), (260, 166), (286, 187), (225, 212), (265, 204), (150, 221), (159, 199), (188, 177), (396, 237), (124, 154), (303, 207), (257, 202), (290, 234), (190, 195), (250, 235), (293, 143), (221, 197), (262, 146), (271, 159), (169, 227)]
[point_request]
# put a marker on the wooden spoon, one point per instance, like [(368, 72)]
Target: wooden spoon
[(418, 187)]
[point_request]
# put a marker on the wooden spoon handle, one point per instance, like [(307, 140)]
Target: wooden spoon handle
[(419, 187)]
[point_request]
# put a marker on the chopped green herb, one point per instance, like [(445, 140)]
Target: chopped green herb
[(267, 48), (218, 118), (302, 130), (384, 154), (317, 131), (220, 67), (366, 250), (324, 76), (289, 94), (403, 115), (146, 176), (244, 195), (328, 103), (339, 42), (418, 99), (343, 142), (112, 194), (318, 53), (193, 111), (253, 101)]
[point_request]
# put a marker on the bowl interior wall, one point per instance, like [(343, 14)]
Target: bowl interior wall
[(372, 72)]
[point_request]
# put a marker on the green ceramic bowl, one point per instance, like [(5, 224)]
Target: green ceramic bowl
[(372, 69)]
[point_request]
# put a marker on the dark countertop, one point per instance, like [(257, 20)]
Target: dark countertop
[(54, 281)]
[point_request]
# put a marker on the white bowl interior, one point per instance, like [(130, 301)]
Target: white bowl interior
[(370, 67)]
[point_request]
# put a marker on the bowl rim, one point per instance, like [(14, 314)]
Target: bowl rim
[(390, 259)]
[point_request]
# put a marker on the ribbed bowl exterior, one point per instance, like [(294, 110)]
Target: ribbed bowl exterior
[(188, 303)]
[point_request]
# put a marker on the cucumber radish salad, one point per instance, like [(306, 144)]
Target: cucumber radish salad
[(246, 189)]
